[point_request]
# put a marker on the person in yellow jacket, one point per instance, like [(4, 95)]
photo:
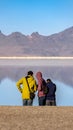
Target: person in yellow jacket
[(22, 85)]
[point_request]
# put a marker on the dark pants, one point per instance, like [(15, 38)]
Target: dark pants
[(27, 102), (50, 103), (42, 101)]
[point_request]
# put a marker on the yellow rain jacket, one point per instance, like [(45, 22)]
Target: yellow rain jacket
[(23, 87)]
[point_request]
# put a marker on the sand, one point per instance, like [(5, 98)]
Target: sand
[(36, 118)]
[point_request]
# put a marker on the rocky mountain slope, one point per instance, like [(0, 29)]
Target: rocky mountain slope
[(17, 44)]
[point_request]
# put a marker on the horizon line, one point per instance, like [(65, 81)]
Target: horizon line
[(35, 32), (37, 57)]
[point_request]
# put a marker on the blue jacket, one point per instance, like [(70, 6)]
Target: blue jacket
[(52, 89)]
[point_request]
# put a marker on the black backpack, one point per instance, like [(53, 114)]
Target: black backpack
[(45, 89)]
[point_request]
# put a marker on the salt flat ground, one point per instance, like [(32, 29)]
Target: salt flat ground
[(36, 118)]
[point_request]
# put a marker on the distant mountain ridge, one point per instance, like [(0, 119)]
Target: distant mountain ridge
[(18, 44)]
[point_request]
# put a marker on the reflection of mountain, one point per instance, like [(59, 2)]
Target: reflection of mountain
[(17, 44), (63, 74), (10, 96)]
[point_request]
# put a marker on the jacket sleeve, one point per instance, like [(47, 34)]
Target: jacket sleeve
[(54, 87), (39, 85), (19, 85)]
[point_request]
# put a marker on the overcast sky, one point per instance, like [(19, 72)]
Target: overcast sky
[(43, 16)]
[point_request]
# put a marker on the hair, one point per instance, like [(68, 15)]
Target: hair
[(48, 80), (30, 73)]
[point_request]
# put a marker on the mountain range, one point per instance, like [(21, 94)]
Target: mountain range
[(18, 44)]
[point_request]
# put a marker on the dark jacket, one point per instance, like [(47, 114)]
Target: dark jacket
[(52, 89)]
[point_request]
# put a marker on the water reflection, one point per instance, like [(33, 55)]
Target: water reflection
[(64, 94), (9, 95)]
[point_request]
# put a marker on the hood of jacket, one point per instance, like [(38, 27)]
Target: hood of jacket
[(39, 75)]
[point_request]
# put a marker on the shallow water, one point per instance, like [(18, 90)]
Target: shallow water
[(60, 71), (36, 62), (9, 94)]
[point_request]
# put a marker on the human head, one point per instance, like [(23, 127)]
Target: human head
[(39, 75), (30, 73), (48, 80)]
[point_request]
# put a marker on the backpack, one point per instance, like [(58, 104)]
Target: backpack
[(45, 88)]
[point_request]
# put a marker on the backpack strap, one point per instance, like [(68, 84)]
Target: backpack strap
[(28, 83)]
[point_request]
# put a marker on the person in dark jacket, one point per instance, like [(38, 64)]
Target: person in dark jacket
[(41, 95), (50, 97)]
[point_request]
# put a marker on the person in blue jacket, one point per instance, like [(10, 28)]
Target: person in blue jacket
[(51, 97)]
